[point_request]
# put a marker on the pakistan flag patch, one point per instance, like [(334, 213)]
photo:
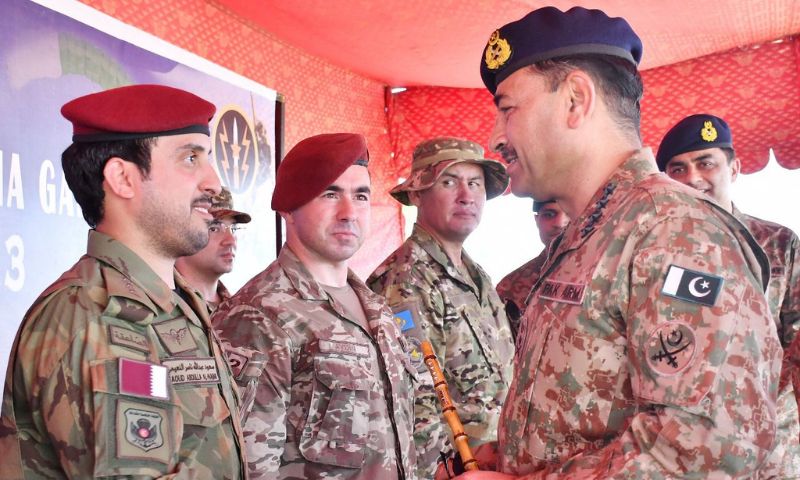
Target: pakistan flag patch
[(692, 286)]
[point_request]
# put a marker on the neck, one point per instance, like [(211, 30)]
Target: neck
[(452, 247), (326, 272), (203, 283), (162, 266), (593, 175)]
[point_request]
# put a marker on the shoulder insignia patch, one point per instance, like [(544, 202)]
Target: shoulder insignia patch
[(692, 286), (404, 320), (142, 379), (128, 338), (670, 348), (143, 432)]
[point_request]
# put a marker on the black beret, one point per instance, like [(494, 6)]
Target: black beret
[(548, 33), (137, 111), (695, 132)]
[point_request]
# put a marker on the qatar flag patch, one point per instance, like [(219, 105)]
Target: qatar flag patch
[(692, 286), (142, 379)]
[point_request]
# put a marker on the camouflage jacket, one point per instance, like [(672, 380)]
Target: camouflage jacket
[(468, 330), (783, 249), (112, 374), (647, 349), (326, 398), (514, 288)]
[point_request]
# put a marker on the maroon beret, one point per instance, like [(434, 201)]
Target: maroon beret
[(137, 111), (313, 165)]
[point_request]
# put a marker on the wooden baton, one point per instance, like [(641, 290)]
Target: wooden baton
[(448, 409)]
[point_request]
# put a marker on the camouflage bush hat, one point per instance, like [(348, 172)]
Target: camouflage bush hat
[(432, 157), (222, 207), (695, 132), (548, 32)]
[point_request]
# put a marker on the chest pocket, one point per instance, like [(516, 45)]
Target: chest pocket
[(337, 427), (481, 328)]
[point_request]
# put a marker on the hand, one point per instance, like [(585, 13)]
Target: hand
[(485, 454)]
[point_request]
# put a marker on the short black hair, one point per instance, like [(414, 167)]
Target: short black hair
[(83, 165), (617, 79)]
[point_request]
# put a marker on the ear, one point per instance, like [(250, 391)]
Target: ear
[(121, 177), (581, 95), (413, 197), (736, 167), (287, 217)]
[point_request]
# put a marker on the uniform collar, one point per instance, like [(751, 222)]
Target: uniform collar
[(139, 281), (309, 289), (428, 243)]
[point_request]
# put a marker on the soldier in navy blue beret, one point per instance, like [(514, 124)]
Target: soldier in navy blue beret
[(699, 152), (619, 372)]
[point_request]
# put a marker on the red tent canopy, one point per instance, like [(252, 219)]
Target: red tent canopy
[(737, 59)]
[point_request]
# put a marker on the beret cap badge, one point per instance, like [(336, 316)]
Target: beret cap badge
[(708, 132), (498, 51)]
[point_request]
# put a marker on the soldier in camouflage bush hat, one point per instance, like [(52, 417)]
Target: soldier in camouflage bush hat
[(204, 269), (438, 293)]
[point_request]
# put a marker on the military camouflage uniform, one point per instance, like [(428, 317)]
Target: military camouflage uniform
[(114, 374), (647, 350), (329, 398), (468, 329), (514, 288), (223, 294), (783, 249)]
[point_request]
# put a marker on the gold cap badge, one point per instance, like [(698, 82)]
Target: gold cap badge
[(708, 132), (497, 52)]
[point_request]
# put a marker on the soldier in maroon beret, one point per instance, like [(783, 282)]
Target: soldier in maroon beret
[(115, 371), (323, 368)]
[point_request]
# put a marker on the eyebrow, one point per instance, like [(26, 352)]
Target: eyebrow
[(195, 147), (452, 175), (338, 189), (498, 98)]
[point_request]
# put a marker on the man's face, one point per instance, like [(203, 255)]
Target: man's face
[(173, 211), (332, 227), (526, 135), (217, 257), (550, 221), (706, 170), (451, 209)]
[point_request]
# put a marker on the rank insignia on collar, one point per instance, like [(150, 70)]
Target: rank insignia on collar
[(670, 348), (692, 286), (708, 132), (498, 51)]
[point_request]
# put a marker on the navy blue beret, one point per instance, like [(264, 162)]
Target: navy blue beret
[(695, 132), (548, 33)]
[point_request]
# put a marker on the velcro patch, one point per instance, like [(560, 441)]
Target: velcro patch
[(692, 286), (140, 432), (128, 338), (142, 379), (175, 335), (670, 348), (343, 348), (404, 320), (414, 352), (236, 361), (564, 292), (193, 371)]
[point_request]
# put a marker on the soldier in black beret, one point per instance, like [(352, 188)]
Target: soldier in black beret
[(650, 308)]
